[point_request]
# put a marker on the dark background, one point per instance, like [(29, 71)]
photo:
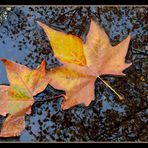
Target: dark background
[(106, 119)]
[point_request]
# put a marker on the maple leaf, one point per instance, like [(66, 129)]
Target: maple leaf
[(16, 100), (84, 62)]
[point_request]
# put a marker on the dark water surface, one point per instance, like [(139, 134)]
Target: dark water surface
[(106, 119)]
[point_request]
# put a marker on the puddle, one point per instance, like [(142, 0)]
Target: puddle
[(106, 119)]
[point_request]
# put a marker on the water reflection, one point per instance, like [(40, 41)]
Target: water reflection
[(107, 118)]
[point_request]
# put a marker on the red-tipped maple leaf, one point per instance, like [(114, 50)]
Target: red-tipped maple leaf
[(16, 100)]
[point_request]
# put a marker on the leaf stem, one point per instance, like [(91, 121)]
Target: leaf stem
[(54, 97), (120, 97)]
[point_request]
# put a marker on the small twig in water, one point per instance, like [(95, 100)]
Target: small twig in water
[(52, 98)]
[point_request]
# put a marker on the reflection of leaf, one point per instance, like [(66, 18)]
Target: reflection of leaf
[(17, 99), (83, 63)]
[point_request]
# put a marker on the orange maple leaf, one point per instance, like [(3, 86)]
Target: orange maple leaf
[(83, 63), (16, 100)]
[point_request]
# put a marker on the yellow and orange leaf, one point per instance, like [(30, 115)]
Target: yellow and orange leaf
[(84, 62), (66, 47), (16, 100)]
